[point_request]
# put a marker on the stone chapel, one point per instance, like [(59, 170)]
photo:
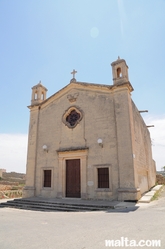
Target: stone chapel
[(88, 141)]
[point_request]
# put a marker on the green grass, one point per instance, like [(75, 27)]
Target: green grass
[(157, 194)]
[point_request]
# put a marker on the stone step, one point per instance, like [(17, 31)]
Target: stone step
[(64, 203), (51, 206), (36, 207)]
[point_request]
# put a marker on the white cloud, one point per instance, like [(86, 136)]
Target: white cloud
[(122, 15), (13, 152), (158, 139)]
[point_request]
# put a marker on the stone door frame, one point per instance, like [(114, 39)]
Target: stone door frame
[(67, 155)]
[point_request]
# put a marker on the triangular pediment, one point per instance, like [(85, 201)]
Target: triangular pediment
[(71, 91)]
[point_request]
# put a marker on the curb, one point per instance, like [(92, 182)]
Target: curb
[(146, 198)]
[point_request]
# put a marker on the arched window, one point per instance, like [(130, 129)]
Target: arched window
[(119, 74)]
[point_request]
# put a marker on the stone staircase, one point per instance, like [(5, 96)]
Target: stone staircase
[(56, 205)]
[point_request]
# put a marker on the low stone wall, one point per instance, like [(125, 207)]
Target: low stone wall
[(11, 179), (10, 190), (10, 194), (5, 187), (9, 183)]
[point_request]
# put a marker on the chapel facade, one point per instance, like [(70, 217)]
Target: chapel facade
[(88, 141)]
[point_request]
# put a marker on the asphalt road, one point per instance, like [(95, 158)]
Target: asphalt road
[(22, 229)]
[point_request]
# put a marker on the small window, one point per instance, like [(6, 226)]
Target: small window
[(103, 177), (47, 178)]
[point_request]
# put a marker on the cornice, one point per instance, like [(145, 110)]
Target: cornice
[(83, 86)]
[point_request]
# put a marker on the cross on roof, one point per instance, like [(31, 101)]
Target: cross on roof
[(74, 72)]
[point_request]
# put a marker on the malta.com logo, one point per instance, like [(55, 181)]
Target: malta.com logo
[(125, 242)]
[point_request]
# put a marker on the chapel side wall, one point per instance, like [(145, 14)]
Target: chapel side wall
[(144, 164)]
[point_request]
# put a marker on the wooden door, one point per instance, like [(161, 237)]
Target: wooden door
[(73, 188)]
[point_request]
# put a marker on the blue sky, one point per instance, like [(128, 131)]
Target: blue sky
[(46, 40)]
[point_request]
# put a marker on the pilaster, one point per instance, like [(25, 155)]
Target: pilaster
[(29, 189), (127, 187)]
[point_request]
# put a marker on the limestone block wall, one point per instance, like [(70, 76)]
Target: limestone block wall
[(128, 189), (98, 122), (124, 141), (144, 165), (108, 113)]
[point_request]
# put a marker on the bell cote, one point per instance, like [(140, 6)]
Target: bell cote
[(119, 71), (38, 94)]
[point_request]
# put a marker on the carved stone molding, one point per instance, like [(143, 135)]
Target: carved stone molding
[(72, 116), (72, 97)]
